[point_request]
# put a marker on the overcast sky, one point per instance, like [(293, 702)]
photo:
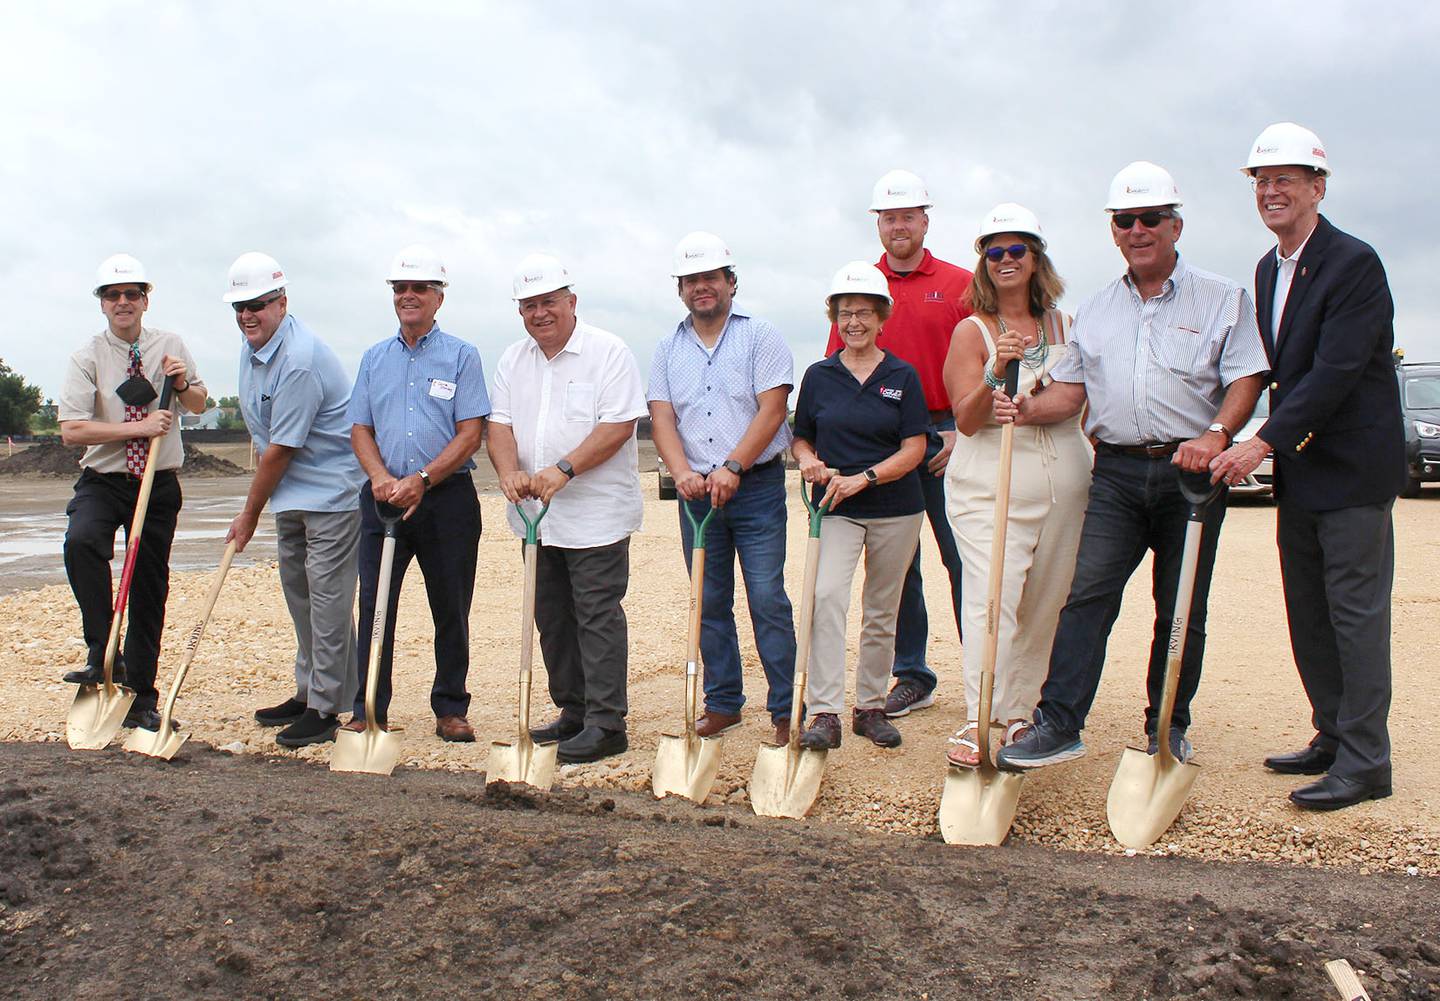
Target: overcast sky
[(331, 135)]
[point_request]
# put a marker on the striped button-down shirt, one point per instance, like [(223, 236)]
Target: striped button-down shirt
[(413, 397), (715, 391), (1155, 370)]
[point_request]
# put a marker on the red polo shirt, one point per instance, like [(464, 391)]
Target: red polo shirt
[(928, 305)]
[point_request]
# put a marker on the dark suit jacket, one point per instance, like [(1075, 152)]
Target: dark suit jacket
[(1335, 423)]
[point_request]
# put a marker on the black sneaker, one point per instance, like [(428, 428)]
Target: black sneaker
[(873, 724), (906, 697), (285, 713), (1043, 744), (313, 727), (1180, 746), (823, 733)]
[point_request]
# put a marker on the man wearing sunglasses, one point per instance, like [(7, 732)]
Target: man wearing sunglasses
[(1336, 429), (417, 412), (928, 296), (1170, 362), (109, 403), (293, 395)]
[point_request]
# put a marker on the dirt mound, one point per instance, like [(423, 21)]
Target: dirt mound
[(55, 459), (37, 845)]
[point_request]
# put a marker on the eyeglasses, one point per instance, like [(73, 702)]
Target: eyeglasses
[(863, 315), (1280, 182), (1125, 220), (256, 305), (116, 294), (405, 288), (1015, 250)]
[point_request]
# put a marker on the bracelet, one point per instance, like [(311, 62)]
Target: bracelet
[(991, 381), (178, 390)]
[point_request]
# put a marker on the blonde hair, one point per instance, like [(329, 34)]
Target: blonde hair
[(1046, 287)]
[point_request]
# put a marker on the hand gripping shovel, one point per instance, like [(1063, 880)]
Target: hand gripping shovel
[(373, 749), (685, 763), (786, 779), (1149, 789), (98, 710), (978, 804), (523, 760), (164, 742)]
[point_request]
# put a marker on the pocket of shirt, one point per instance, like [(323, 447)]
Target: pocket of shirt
[(579, 402)]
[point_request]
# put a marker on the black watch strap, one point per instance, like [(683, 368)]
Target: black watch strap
[(565, 467)]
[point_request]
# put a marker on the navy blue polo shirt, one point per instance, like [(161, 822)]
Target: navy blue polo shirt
[(854, 427)]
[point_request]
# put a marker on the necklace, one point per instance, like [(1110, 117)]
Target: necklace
[(1035, 355)]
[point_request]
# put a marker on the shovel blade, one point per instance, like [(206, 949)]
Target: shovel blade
[(370, 750), (522, 761), (1146, 796), (978, 805), (161, 743), (685, 767), (95, 717), (786, 781)]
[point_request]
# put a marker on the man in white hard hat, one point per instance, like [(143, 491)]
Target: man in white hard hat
[(719, 388), (1337, 433), (109, 403), (929, 297), (417, 414), (567, 397), (1169, 360), (293, 395)]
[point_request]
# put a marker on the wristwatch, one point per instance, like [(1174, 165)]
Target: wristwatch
[(1217, 426), (734, 467), (872, 477), (564, 466), (425, 478)]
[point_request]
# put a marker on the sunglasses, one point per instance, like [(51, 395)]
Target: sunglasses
[(116, 294), (1017, 251), (256, 305), (405, 288), (1125, 220)]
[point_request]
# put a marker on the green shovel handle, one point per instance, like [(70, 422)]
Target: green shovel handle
[(698, 527), (532, 526), (815, 513)]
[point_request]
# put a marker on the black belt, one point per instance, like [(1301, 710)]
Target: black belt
[(774, 460), (127, 476), (1155, 450)]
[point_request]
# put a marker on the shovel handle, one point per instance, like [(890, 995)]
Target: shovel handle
[(192, 642), (532, 525), (997, 572), (816, 513), (697, 527)]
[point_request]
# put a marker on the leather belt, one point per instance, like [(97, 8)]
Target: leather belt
[(775, 459), (1155, 450)]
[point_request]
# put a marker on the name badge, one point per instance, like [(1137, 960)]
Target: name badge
[(442, 390)]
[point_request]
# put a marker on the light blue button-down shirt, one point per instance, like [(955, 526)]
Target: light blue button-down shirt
[(294, 392), (714, 393), (413, 397)]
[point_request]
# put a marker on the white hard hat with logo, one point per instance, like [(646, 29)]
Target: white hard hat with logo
[(1008, 217), (1286, 144), (900, 189), (1141, 185), (537, 274), (859, 278), (120, 269), (252, 275), (418, 263), (700, 252)]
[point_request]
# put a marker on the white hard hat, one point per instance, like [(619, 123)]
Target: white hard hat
[(1141, 185), (900, 189), (537, 274), (1007, 217), (859, 278), (418, 263), (1284, 144), (700, 252), (120, 269), (252, 275)]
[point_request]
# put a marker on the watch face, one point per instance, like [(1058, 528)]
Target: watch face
[(734, 466)]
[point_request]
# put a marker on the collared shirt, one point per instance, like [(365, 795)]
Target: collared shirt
[(414, 397), (553, 404), (1284, 277), (293, 392), (852, 427), (1155, 370), (929, 302), (98, 369), (715, 390)]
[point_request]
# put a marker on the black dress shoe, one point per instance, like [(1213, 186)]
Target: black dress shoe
[(284, 714), (1310, 761), (313, 727), (592, 744), (556, 731), (1334, 792), (94, 674), (145, 719)]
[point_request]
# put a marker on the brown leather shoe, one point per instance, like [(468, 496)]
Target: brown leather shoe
[(455, 728), (714, 724), (782, 732), (357, 725)]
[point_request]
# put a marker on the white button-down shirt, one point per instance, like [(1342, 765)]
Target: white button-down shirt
[(552, 405), (1284, 278)]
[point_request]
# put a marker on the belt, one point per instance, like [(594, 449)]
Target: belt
[(1154, 450), (774, 460), (127, 476)]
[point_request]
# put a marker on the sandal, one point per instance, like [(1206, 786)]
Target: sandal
[(1015, 730), (966, 752)]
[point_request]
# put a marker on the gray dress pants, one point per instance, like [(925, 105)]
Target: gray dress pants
[(583, 636), (318, 567)]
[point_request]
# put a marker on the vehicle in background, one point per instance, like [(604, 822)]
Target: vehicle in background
[(1420, 406), (1260, 483)]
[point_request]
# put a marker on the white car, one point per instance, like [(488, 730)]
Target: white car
[(1261, 482)]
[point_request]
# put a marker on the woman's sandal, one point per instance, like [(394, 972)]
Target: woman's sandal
[(966, 752), (1014, 730)]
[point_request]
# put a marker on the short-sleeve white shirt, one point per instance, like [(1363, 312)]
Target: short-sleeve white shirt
[(552, 405)]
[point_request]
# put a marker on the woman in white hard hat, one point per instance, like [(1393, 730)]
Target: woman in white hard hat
[(861, 412), (1013, 297)]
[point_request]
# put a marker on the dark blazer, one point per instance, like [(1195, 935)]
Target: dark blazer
[(1335, 424)]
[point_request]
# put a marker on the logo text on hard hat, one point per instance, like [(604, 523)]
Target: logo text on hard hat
[(1317, 151), (277, 274)]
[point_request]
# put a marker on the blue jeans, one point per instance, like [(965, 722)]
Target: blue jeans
[(912, 627), (751, 524), (1135, 505)]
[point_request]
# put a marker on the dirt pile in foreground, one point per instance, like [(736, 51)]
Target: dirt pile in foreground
[(55, 459), (239, 876)]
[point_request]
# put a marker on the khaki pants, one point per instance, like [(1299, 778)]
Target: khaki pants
[(888, 545)]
